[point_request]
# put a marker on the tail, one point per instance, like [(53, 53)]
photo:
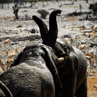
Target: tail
[(6, 91)]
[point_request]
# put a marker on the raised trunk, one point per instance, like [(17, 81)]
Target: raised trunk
[(53, 29), (52, 23), (48, 37), (42, 27)]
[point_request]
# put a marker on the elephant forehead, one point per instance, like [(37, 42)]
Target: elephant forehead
[(36, 64)]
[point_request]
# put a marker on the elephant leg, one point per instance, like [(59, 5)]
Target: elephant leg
[(82, 90), (69, 86)]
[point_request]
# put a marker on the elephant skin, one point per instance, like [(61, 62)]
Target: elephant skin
[(33, 73), (72, 71), (4, 91)]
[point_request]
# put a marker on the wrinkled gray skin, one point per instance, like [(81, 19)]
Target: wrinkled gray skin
[(72, 71), (32, 73)]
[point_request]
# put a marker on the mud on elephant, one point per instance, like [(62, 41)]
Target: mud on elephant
[(72, 71)]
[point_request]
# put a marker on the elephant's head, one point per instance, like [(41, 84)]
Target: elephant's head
[(33, 68), (43, 51), (49, 36)]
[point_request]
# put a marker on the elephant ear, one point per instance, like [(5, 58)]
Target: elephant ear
[(17, 59), (4, 89), (75, 63), (73, 60), (42, 26), (50, 63)]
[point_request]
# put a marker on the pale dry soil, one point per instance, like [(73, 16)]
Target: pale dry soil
[(92, 81)]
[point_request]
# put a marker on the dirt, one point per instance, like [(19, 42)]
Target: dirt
[(92, 84)]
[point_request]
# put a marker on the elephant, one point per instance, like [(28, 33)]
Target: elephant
[(4, 91), (33, 73), (73, 70)]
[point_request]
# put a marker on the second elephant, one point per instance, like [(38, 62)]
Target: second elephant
[(73, 70)]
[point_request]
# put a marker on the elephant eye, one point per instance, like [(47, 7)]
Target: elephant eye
[(30, 53)]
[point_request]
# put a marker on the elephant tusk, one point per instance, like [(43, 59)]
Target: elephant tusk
[(61, 59)]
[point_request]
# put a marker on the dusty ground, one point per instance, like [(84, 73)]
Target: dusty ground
[(92, 85), (17, 32)]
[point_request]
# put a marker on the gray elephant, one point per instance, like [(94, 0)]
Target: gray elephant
[(33, 73), (72, 71), (4, 91)]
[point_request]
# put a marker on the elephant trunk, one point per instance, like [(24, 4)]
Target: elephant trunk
[(53, 22), (53, 29), (51, 65), (42, 26), (48, 37)]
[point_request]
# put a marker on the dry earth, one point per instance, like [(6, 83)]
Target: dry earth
[(18, 31)]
